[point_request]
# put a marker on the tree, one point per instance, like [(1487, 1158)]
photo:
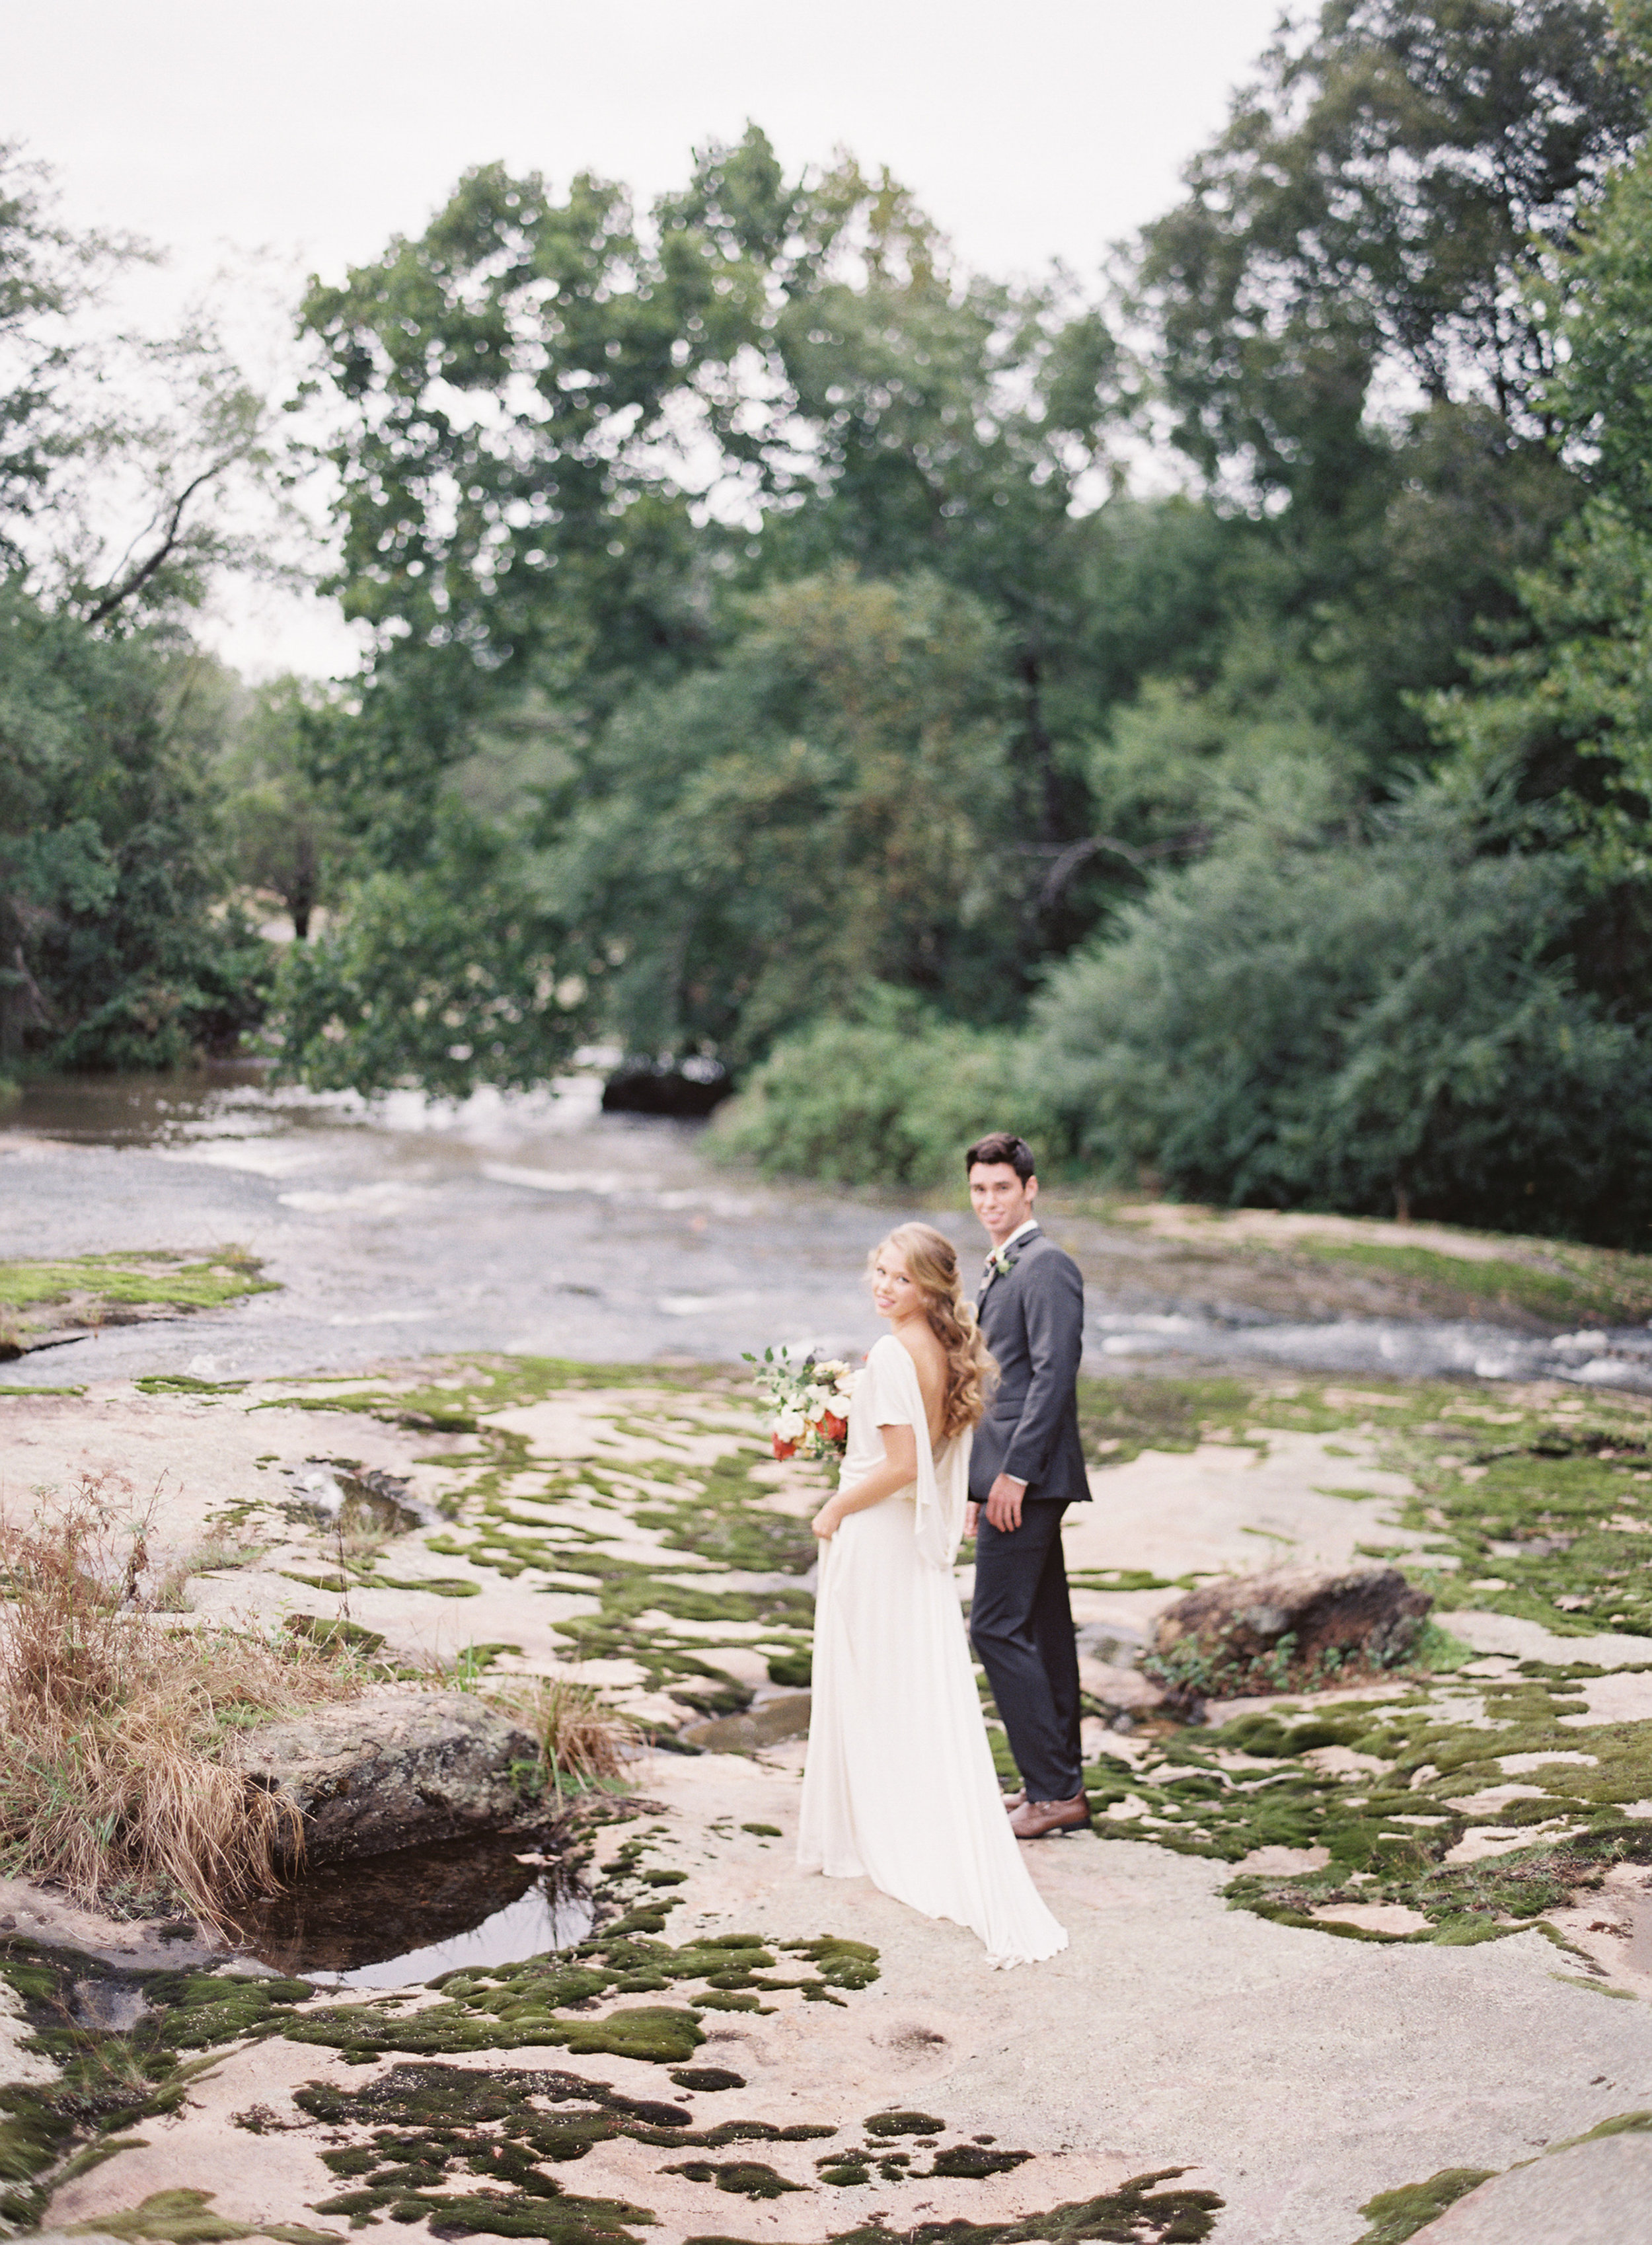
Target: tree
[(114, 949), (757, 844), (1561, 713), (1367, 219), (284, 834), (454, 974), (1385, 1021), (47, 275), (563, 434)]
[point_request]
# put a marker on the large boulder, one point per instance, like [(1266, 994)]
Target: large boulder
[(1286, 1630), (388, 1772)]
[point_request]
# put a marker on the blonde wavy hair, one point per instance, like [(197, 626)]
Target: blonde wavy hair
[(971, 1370)]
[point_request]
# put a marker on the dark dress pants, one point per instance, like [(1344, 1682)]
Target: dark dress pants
[(1022, 1626)]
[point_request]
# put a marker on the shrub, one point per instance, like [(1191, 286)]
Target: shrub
[(1380, 1024), (891, 1099)]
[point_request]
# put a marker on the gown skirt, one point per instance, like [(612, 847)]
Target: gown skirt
[(899, 1785)]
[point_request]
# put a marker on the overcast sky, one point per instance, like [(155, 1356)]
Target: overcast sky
[(311, 131)]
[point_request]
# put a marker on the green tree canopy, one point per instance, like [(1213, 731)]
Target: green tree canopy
[(1366, 219)]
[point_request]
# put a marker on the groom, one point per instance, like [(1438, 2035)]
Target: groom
[(1026, 1468)]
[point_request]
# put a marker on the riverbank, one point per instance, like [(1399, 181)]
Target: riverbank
[(1279, 1927)]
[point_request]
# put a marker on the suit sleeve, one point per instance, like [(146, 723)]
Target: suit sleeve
[(1054, 1310)]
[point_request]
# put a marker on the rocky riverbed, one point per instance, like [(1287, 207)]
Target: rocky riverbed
[(1322, 1949), (1387, 1947), (208, 1225)]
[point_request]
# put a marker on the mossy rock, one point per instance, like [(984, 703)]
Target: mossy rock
[(1394, 2215)]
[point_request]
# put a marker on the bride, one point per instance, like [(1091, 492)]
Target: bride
[(899, 1785)]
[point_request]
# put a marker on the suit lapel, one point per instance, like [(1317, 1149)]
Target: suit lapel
[(1015, 1251)]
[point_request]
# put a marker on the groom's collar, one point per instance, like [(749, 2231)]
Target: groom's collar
[(1021, 1232)]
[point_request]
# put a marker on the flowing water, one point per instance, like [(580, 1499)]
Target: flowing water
[(536, 1223)]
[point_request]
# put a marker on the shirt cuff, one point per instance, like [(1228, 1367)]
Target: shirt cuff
[(1016, 1478)]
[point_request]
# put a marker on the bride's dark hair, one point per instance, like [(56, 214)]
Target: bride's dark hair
[(971, 1370)]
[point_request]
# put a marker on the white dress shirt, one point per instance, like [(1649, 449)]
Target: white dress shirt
[(1020, 1232)]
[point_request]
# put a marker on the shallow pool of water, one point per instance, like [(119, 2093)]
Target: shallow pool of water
[(395, 1921)]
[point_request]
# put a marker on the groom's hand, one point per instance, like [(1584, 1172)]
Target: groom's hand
[(1004, 1504)]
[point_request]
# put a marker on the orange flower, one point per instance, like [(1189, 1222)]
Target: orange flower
[(832, 1428), (784, 1449)]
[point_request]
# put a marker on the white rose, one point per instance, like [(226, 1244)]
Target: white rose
[(790, 1424)]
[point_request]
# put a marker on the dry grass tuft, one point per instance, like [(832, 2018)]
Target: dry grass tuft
[(111, 1786), (217, 1554), (583, 1742)]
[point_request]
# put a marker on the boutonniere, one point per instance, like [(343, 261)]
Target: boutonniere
[(1002, 1263)]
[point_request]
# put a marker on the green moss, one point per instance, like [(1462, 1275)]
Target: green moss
[(1624, 2124), (1137, 2211), (184, 2217), (1387, 1833), (548, 2212), (430, 2123), (840, 1963), (136, 1276), (1594, 1987), (903, 2124), (336, 1632), (513, 2007), (108, 2080), (745, 2178), (1118, 1419), (1539, 1518), (1394, 2215), (181, 1383), (970, 2163), (1614, 1293)]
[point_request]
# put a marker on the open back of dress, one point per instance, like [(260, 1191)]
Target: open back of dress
[(899, 1785)]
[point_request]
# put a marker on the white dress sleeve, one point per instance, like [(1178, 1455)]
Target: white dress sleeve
[(941, 1489)]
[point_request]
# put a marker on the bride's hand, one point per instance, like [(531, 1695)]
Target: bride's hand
[(827, 1521)]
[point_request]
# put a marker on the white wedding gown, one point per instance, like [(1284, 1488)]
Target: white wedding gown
[(899, 1785)]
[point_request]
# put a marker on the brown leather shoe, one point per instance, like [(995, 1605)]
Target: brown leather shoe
[(1041, 1820)]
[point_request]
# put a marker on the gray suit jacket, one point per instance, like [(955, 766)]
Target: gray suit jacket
[(1033, 1322)]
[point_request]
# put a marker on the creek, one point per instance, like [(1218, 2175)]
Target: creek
[(535, 1223)]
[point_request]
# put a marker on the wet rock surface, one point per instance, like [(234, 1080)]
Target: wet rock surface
[(783, 1717), (1377, 1865), (385, 1772)]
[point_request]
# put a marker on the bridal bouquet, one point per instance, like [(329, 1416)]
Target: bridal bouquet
[(810, 1401)]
